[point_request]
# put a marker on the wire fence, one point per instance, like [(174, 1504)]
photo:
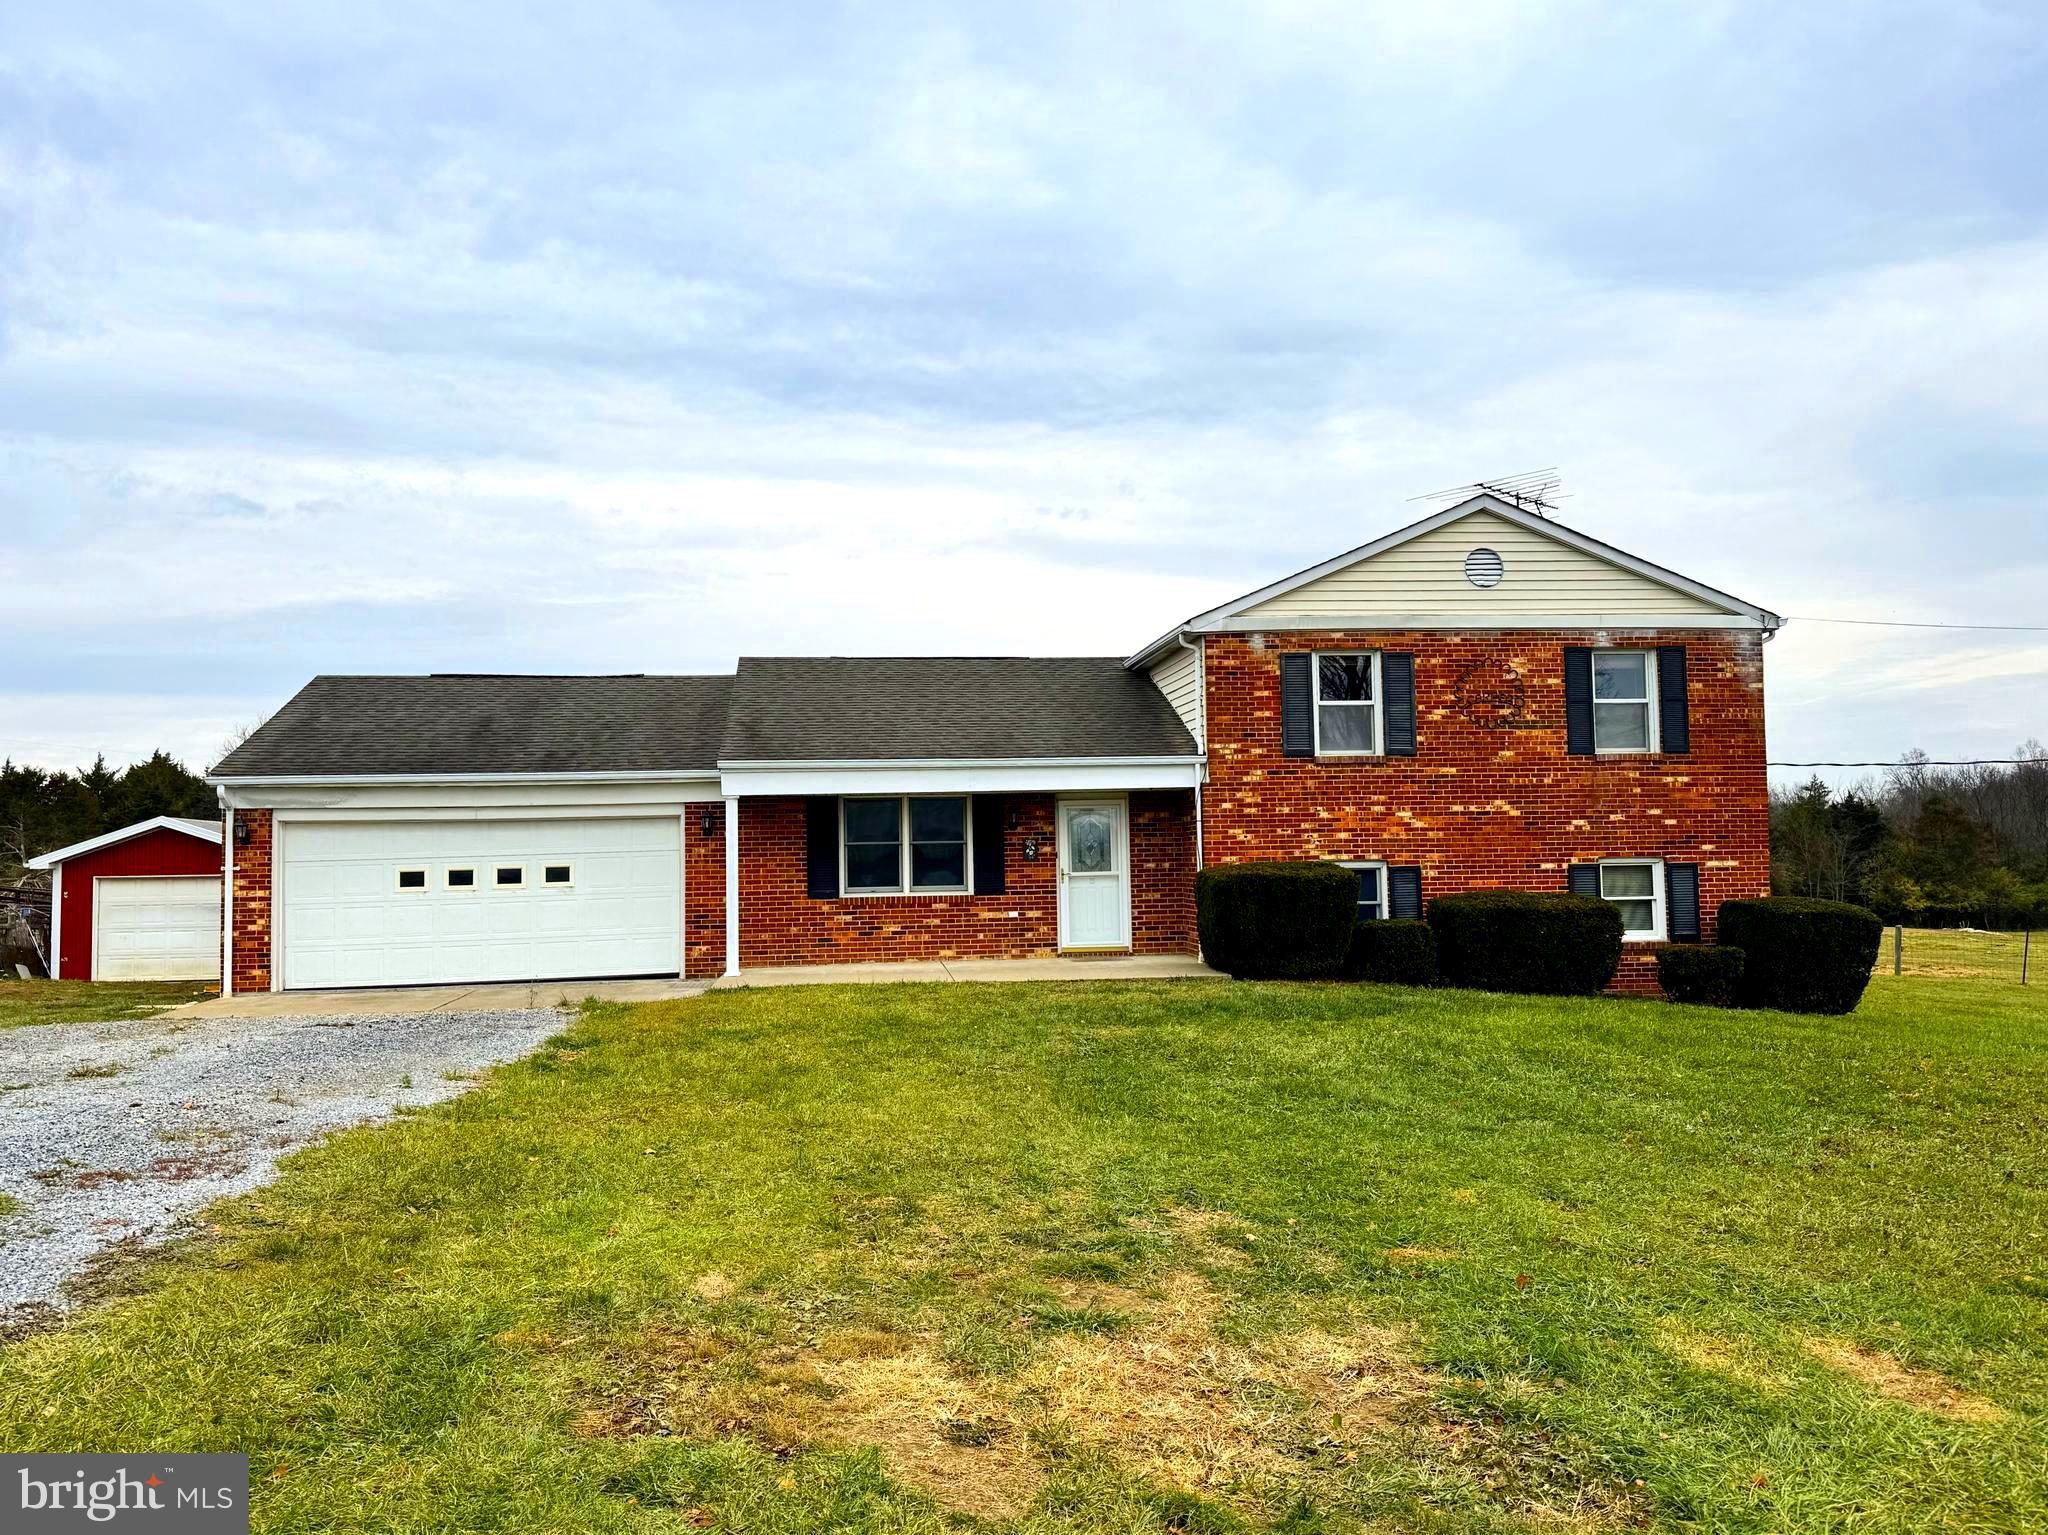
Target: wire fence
[(1962, 953)]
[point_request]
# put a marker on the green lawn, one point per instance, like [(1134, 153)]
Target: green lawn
[(1172, 1256), (27, 1002)]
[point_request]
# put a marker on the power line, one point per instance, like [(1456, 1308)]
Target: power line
[(1925, 762), (1891, 623)]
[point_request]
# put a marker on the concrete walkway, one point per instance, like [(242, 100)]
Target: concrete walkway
[(411, 1001), (1110, 967)]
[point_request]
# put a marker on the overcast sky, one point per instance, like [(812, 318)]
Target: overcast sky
[(633, 338)]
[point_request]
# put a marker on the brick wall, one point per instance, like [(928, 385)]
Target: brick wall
[(781, 925), (704, 891), (249, 904), (1491, 799)]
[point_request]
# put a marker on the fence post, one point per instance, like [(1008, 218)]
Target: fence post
[(1898, 948), (2026, 944)]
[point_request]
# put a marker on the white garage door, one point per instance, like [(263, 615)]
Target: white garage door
[(402, 903), (156, 929)]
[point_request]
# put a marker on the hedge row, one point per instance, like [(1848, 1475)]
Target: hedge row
[(1298, 921)]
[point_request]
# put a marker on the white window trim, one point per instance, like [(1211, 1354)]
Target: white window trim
[(449, 871), (558, 884), (1386, 896), (1650, 732), (398, 880), (522, 882), (903, 887), (1658, 924), (1378, 705)]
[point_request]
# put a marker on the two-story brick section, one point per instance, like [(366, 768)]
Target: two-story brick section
[(1483, 698)]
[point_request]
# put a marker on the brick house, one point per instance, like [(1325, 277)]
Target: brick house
[(1483, 698)]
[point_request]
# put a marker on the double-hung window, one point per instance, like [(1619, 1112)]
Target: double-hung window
[(915, 843), (1624, 701), (1372, 890), (1347, 703), (1636, 886)]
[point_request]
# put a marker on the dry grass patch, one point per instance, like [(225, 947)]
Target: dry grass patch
[(1167, 1398), (1175, 1401), (1739, 1361), (1916, 1388), (1421, 1255)]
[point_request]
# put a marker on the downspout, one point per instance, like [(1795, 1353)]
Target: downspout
[(1201, 732)]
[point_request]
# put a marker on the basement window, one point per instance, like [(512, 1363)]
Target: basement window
[(1372, 890), (1636, 886)]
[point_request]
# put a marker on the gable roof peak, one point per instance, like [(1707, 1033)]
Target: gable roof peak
[(1480, 502)]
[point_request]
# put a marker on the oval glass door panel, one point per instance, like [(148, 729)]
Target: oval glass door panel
[(1093, 842)]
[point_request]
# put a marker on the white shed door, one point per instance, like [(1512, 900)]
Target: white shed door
[(156, 929), (405, 903)]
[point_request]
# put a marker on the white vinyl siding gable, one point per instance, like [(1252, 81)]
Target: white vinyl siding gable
[(1426, 575), (1179, 676)]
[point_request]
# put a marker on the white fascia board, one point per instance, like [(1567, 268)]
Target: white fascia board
[(962, 778), (202, 832), (1756, 617), (536, 795), (1357, 622)]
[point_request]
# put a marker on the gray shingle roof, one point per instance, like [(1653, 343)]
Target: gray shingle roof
[(864, 708), (780, 709), (488, 724)]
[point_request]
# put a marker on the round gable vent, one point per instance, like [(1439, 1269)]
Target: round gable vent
[(1484, 568)]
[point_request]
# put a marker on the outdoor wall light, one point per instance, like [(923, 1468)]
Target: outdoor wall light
[(707, 824), (241, 834)]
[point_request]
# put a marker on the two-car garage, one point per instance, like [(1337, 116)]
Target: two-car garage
[(398, 902)]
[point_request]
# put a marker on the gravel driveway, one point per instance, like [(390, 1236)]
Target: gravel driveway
[(111, 1131)]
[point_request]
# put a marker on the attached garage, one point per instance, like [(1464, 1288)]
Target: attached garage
[(139, 904), (403, 902)]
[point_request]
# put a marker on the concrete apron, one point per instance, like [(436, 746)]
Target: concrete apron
[(412, 1001), (500, 996)]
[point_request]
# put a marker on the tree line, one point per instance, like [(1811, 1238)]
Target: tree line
[(1924, 845), (42, 810)]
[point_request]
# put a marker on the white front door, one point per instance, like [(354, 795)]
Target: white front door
[(1095, 886), (156, 928)]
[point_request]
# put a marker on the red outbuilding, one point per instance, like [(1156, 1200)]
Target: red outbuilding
[(138, 904)]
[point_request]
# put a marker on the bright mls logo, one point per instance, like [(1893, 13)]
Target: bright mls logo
[(160, 1494)]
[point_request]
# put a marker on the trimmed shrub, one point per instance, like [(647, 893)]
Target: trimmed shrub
[(1276, 921), (1553, 944), (1703, 973), (1399, 953), (1800, 955)]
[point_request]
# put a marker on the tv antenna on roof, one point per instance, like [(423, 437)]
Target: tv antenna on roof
[(1536, 490)]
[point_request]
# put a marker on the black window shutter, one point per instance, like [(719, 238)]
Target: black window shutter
[(1297, 704), (821, 847), (1397, 678), (1578, 701), (1682, 902), (989, 811), (1404, 894), (1585, 879), (1674, 715)]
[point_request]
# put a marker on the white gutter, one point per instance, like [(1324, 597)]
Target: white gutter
[(732, 886), (320, 780)]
